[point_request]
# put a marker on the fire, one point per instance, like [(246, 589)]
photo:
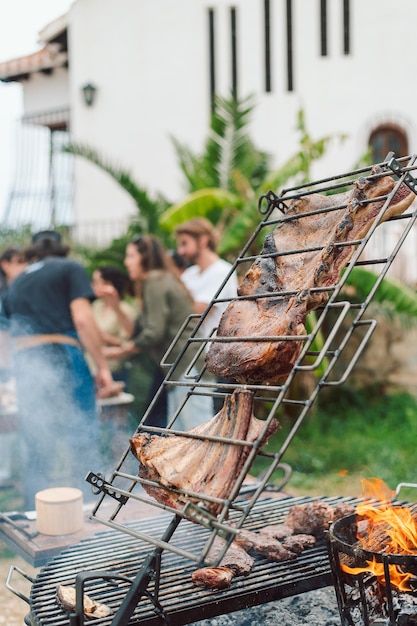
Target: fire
[(389, 529)]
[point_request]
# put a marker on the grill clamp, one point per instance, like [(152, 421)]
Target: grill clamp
[(100, 485)]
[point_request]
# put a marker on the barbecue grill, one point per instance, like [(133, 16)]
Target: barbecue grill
[(179, 540)]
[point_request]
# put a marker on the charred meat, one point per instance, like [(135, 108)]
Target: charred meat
[(213, 577), (301, 259), (66, 596), (314, 518), (236, 562), (266, 546), (236, 558)]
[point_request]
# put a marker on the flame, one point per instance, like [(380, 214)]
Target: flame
[(396, 523), (398, 578)]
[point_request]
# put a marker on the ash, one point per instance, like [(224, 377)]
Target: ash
[(318, 607)]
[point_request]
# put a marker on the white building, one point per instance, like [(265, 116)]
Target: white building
[(156, 65)]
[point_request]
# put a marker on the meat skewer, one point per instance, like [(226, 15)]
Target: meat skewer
[(307, 254), (199, 465)]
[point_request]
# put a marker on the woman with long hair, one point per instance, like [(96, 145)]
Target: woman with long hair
[(164, 304)]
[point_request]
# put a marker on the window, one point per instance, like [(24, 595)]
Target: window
[(323, 28), (290, 68), (212, 58), (387, 138), (267, 51), (346, 26)]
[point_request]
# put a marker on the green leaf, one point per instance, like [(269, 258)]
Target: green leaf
[(149, 209), (200, 203), (401, 298)]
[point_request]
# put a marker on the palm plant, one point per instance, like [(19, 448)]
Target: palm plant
[(145, 221), (393, 299), (149, 210), (226, 180)]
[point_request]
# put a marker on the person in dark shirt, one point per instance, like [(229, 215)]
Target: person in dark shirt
[(51, 321)]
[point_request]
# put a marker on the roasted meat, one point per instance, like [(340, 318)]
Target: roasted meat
[(277, 531), (236, 562), (194, 469), (264, 545), (315, 517), (304, 255), (66, 596), (213, 577), (298, 543), (236, 558)]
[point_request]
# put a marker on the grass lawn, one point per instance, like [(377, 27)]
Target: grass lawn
[(354, 435)]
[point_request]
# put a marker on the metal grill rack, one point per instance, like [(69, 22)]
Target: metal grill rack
[(113, 557), (338, 324)]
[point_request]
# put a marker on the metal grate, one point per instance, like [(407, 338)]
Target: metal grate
[(339, 322), (182, 602)]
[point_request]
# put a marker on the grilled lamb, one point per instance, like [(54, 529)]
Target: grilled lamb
[(199, 469), (266, 546), (277, 531), (314, 518), (236, 562), (276, 542), (292, 276), (298, 543), (213, 577)]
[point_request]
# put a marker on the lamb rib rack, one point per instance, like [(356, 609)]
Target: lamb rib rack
[(183, 466), (306, 251)]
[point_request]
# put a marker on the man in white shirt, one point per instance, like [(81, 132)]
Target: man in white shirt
[(197, 242)]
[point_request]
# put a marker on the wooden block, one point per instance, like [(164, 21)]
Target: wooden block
[(59, 511)]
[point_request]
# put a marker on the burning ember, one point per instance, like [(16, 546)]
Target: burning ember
[(386, 529), (373, 557)]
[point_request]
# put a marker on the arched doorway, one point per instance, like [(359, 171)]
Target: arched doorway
[(387, 138)]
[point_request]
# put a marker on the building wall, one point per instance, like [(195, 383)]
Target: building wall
[(42, 94), (150, 62)]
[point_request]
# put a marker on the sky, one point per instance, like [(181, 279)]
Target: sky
[(20, 23)]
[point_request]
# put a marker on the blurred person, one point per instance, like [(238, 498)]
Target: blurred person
[(12, 262), (165, 305), (51, 320), (113, 314), (197, 242), (180, 264)]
